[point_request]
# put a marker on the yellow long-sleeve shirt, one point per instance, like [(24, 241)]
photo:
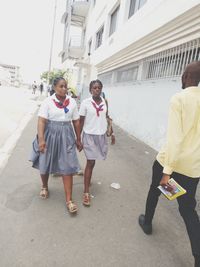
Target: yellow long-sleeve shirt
[(181, 153)]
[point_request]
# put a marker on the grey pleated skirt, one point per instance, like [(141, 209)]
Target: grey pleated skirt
[(60, 156), (95, 146)]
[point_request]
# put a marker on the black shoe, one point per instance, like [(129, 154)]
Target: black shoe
[(147, 228), (197, 261)]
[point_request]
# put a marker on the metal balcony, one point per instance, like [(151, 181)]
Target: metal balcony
[(79, 10), (76, 49)]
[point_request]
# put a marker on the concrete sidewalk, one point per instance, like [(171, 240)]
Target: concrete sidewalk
[(36, 232)]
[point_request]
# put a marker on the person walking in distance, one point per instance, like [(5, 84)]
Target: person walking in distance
[(180, 158), (34, 87), (41, 88), (56, 141), (93, 113)]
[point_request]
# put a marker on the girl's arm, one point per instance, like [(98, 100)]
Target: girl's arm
[(40, 130), (77, 129), (82, 120)]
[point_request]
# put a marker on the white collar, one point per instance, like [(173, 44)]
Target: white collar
[(102, 99), (56, 99)]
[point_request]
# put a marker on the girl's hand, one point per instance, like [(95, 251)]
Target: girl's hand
[(79, 145), (112, 139), (42, 146)]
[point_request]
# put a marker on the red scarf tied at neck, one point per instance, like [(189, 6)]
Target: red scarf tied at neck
[(62, 105), (98, 108)]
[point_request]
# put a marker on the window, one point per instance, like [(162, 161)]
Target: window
[(135, 5), (113, 21), (99, 37), (132, 8), (141, 3), (127, 75), (106, 78), (89, 47)]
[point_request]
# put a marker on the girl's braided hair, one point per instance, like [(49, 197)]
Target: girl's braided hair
[(93, 82), (57, 79)]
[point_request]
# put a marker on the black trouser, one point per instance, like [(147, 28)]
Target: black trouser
[(186, 202)]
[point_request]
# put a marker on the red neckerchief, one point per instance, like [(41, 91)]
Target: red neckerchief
[(62, 105), (98, 108)]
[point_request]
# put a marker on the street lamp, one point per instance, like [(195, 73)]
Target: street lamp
[(52, 42)]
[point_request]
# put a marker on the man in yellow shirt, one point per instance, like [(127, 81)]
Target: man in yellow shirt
[(180, 158)]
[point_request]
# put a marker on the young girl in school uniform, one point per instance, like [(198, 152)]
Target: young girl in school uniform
[(93, 119), (56, 141)]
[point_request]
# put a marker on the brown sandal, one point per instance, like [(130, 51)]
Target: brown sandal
[(86, 199), (72, 207), (44, 193)]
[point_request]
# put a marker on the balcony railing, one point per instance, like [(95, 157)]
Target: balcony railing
[(79, 11), (80, 0)]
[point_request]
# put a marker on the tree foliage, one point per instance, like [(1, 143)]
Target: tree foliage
[(54, 74)]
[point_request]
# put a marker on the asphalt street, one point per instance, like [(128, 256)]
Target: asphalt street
[(36, 232)]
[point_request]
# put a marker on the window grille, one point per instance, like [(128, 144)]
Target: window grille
[(169, 63), (172, 62), (113, 21)]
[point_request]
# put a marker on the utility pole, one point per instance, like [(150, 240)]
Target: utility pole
[(52, 41)]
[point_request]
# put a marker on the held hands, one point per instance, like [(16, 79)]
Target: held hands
[(79, 145), (42, 146)]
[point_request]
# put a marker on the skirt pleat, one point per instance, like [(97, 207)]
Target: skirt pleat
[(95, 146), (60, 156)]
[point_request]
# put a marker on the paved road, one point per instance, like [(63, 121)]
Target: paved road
[(41, 233), (17, 106)]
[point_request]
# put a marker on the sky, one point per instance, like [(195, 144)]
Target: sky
[(25, 30)]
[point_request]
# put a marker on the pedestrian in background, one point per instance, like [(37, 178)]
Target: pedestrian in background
[(180, 158), (34, 87), (56, 141), (93, 113), (41, 88)]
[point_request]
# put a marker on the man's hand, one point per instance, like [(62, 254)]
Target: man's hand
[(165, 179), (164, 182)]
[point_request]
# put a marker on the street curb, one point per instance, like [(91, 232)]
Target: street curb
[(6, 150)]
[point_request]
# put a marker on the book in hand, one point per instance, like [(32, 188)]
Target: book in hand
[(172, 190)]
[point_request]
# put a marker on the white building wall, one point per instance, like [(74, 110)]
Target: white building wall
[(153, 15), (141, 109)]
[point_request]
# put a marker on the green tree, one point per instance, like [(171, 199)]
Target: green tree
[(54, 74)]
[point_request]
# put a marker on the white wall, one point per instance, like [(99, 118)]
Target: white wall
[(141, 109), (153, 15)]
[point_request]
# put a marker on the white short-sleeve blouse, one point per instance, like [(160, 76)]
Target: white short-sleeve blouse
[(95, 122), (50, 111)]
